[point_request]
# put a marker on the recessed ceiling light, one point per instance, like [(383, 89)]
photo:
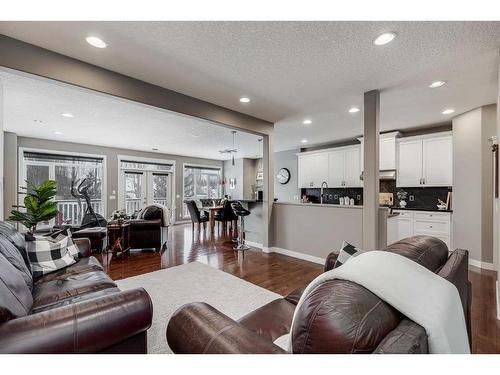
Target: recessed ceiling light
[(245, 100), (353, 110), (304, 141), (307, 122), (58, 133), (96, 42), (66, 114), (448, 111), (437, 84), (384, 38)]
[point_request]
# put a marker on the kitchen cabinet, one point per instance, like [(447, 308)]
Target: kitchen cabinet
[(313, 170), (339, 167), (425, 161), (413, 223), (387, 151)]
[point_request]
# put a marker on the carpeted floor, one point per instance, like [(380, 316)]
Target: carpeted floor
[(194, 282)]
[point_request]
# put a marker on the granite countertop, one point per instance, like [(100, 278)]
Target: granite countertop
[(435, 209)]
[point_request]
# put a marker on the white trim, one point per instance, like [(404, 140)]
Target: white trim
[(294, 254), (20, 171), (254, 244), (498, 300), (425, 136), (326, 150), (483, 265)]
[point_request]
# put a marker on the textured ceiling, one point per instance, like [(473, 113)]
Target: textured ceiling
[(109, 121), (293, 70)]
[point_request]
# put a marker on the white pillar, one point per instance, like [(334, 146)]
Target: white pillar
[(371, 170)]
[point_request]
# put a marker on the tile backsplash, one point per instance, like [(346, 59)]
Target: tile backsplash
[(418, 197)]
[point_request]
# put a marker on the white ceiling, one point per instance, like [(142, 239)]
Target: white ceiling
[(109, 121), (294, 70)]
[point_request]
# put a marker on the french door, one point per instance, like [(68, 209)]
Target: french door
[(142, 188)]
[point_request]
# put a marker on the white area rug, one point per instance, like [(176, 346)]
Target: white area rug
[(194, 282)]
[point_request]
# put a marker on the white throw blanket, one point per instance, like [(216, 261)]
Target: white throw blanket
[(424, 297)]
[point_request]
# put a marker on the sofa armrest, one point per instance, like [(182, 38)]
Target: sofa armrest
[(330, 260), (84, 246), (84, 327), (198, 328)]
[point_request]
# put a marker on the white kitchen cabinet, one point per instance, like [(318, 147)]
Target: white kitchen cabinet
[(336, 168), (313, 170), (437, 161), (352, 167), (425, 161), (413, 223), (387, 151), (409, 171)]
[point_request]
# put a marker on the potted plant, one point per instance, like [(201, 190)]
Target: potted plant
[(119, 216), (402, 198), (39, 205)]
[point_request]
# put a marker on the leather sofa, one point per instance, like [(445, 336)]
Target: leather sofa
[(338, 317), (78, 309), (149, 229)]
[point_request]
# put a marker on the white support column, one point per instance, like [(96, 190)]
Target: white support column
[(371, 170)]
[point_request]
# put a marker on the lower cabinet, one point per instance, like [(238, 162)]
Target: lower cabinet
[(412, 223)]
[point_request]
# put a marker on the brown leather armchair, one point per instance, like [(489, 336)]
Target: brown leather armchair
[(78, 309), (149, 229), (339, 317)]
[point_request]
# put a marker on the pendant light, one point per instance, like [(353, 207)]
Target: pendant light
[(233, 150)]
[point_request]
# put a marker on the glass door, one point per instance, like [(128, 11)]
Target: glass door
[(159, 188), (142, 188), (135, 192)]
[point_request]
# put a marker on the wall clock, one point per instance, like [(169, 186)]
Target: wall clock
[(283, 176)]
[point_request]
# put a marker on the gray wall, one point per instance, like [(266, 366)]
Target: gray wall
[(111, 166), (244, 171), (2, 199), (472, 182), (10, 172), (290, 191)]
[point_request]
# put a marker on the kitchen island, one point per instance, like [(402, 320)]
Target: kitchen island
[(311, 231)]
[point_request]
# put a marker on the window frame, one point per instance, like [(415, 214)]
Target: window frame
[(22, 164)]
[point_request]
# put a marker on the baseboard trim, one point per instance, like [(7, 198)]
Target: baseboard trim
[(294, 254), (483, 265), (254, 244), (498, 300)]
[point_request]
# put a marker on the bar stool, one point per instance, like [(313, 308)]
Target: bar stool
[(241, 212)]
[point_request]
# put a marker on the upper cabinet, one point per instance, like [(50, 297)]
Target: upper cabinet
[(425, 161), (339, 167), (387, 151)]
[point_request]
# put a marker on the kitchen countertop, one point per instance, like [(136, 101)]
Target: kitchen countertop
[(419, 209), (329, 205)]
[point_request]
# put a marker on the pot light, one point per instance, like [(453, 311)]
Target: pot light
[(58, 133), (448, 111), (304, 141), (96, 42), (307, 122), (245, 100), (437, 84), (353, 110), (66, 114), (384, 38)]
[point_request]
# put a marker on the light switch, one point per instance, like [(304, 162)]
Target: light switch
[(112, 197)]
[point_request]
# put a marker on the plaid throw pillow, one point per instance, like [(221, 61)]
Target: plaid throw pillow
[(48, 254), (347, 252)]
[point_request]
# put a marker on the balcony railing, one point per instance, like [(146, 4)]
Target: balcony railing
[(135, 204), (71, 212)]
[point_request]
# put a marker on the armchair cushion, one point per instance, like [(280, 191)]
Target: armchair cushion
[(15, 296)]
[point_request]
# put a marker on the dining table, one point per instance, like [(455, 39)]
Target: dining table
[(212, 210)]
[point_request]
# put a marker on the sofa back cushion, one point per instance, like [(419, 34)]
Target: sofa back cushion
[(10, 233), (9, 251), (15, 297)]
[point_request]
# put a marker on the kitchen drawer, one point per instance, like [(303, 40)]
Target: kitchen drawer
[(433, 215), (403, 213), (432, 227)]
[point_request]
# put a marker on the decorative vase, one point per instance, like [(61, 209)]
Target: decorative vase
[(402, 204)]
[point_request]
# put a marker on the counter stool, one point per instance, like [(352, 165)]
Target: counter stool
[(241, 212)]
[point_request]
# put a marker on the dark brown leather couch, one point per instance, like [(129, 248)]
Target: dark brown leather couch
[(338, 317), (78, 309)]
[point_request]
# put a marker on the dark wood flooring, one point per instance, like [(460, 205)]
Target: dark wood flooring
[(282, 274)]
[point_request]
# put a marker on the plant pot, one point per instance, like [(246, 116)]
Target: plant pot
[(402, 204)]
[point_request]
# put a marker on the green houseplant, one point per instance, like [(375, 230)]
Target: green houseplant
[(38, 204)]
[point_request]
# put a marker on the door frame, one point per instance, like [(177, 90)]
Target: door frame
[(121, 188)]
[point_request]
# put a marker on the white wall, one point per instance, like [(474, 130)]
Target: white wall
[(290, 191)]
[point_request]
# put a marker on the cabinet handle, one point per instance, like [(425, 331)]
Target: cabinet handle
[(423, 181)]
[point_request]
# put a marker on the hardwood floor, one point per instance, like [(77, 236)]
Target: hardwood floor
[(282, 274)]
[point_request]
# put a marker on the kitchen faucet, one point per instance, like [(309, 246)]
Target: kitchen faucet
[(323, 184)]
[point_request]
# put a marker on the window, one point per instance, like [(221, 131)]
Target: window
[(66, 170), (201, 183)]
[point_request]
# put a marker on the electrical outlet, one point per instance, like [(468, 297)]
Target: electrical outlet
[(412, 198), (358, 197)]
